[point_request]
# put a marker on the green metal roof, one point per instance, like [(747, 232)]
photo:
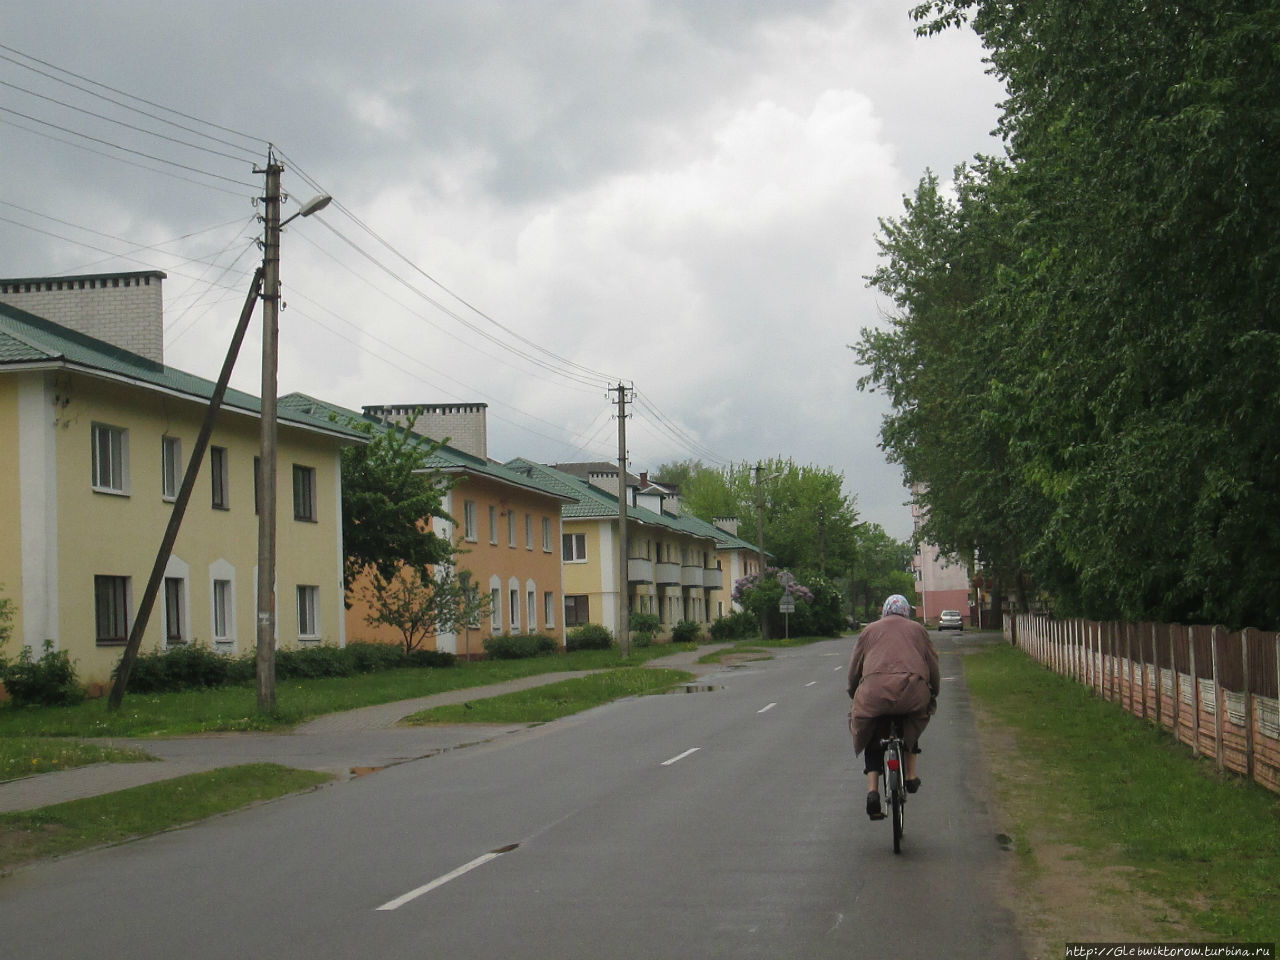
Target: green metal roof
[(444, 458), (31, 342)]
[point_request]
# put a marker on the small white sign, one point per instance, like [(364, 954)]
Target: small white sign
[(787, 605)]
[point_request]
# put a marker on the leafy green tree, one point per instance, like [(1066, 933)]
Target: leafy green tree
[(421, 603), (882, 568), (1086, 337), (389, 498), (809, 521)]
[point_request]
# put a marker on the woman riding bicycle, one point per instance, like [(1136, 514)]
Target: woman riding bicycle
[(893, 673)]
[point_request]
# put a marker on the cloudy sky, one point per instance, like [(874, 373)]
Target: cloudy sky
[(533, 200)]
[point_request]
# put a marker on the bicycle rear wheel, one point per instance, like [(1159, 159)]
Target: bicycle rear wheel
[(899, 804)]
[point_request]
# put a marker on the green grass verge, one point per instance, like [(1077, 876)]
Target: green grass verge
[(544, 704), (1115, 786), (23, 756), (758, 649), (235, 708), (114, 817)]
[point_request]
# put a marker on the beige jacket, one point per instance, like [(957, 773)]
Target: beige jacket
[(894, 672)]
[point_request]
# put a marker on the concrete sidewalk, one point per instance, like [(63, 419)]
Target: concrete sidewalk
[(345, 744)]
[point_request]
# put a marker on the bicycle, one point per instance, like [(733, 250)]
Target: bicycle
[(893, 786)]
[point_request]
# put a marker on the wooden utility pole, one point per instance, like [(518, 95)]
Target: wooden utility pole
[(179, 508), (266, 621), (624, 613)]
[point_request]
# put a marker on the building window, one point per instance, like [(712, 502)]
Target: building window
[(221, 611), (218, 473), (574, 547), (308, 613), (546, 534), (493, 525), (511, 528), (531, 607), (110, 459), (170, 467), (304, 493), (495, 609), (515, 609), (174, 588), (528, 531), (111, 609), (470, 521), (577, 611), (549, 609)]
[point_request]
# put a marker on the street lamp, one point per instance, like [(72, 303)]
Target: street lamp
[(266, 623)]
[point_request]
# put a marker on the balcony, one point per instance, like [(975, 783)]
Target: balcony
[(713, 578), (691, 576), (639, 570), (667, 574)]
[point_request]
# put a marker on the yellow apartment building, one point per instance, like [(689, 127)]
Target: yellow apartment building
[(95, 440)]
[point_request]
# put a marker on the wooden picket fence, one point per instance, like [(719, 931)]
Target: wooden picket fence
[(1215, 690)]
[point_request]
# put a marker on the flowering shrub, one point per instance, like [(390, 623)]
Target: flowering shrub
[(817, 605)]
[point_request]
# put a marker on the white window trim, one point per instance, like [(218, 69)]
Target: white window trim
[(221, 570), (470, 521), (312, 595), (493, 525), (513, 591), (177, 569), (575, 558), (495, 612), (123, 489), (549, 608), (171, 469)]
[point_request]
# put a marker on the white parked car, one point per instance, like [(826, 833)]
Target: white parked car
[(950, 620)]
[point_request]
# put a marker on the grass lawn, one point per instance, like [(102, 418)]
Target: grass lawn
[(23, 756), (544, 704), (1122, 795), (115, 817), (235, 708)]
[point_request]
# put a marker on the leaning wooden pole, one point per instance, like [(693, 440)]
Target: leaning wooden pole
[(180, 503)]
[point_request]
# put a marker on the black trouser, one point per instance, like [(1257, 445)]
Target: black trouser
[(873, 755)]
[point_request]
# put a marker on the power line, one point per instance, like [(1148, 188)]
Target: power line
[(176, 113), (128, 126)]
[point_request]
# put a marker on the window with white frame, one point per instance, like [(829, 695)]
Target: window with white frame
[(222, 611), (110, 459), (219, 477), (493, 525), (528, 531), (546, 534), (308, 612), (170, 467), (574, 547), (111, 609), (515, 609), (495, 609), (304, 493), (470, 521), (511, 528), (531, 609), (549, 609)]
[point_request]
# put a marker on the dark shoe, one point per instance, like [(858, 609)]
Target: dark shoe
[(912, 785), (873, 805)]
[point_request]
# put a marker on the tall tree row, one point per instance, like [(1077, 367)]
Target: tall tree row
[(1082, 360)]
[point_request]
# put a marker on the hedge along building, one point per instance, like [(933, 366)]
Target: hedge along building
[(671, 565), (96, 435), (505, 526)]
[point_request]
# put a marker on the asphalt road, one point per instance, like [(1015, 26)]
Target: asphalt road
[(724, 823)]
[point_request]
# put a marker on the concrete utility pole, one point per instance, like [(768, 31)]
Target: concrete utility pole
[(267, 457), (624, 614), (758, 470)]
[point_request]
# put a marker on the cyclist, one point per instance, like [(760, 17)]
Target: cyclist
[(894, 672)]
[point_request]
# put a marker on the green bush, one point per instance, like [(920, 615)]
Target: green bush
[(589, 636), (519, 646), (645, 623), (48, 682), (371, 657), (178, 668), (736, 626), (431, 658), (686, 631), (313, 663)]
